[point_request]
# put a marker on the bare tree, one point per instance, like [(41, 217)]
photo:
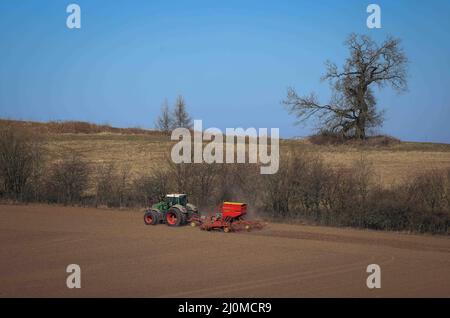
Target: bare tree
[(180, 115), (352, 109), (164, 121)]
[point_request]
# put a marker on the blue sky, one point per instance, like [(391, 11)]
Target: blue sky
[(232, 60)]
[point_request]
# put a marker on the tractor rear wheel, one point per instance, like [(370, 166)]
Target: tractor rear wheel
[(175, 217), (151, 218)]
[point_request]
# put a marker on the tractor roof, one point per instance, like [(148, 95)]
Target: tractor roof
[(175, 195)]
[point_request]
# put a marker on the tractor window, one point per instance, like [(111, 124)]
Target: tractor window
[(171, 201), (183, 200)]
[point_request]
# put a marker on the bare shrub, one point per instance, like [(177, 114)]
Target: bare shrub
[(112, 187), (447, 189), (326, 137), (382, 141), (198, 180), (427, 197), (104, 184), (339, 198), (20, 161), (429, 190), (363, 173), (386, 210), (203, 183), (179, 175), (313, 187), (362, 177), (296, 188), (77, 127), (67, 180), (278, 194), (151, 188), (237, 181)]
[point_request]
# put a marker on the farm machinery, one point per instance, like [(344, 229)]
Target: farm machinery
[(175, 210), (231, 218)]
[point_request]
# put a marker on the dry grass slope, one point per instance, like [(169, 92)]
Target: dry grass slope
[(141, 150)]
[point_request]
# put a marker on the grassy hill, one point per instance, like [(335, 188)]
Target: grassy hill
[(140, 150)]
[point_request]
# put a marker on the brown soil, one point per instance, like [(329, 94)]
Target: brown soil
[(120, 256)]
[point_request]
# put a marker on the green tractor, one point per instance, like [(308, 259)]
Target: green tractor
[(174, 210)]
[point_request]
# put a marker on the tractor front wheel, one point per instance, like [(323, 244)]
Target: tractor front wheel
[(150, 218)]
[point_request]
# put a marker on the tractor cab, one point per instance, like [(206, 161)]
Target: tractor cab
[(172, 199)]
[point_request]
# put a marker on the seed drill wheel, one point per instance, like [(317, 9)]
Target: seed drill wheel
[(226, 229), (175, 217), (151, 218)]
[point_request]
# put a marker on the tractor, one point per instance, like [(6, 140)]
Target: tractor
[(174, 210)]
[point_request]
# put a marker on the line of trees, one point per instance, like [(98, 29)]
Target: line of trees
[(171, 119)]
